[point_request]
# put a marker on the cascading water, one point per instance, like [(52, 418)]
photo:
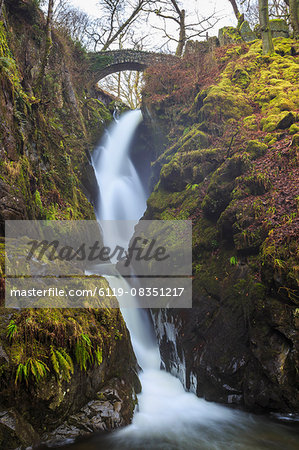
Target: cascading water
[(168, 417)]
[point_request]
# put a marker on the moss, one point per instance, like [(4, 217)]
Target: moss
[(241, 78), (250, 122), (229, 35), (278, 121), (171, 177), (222, 184), (224, 101), (295, 140), (38, 203), (97, 117), (256, 149), (80, 338), (294, 128)]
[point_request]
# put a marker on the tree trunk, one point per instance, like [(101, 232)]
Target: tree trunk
[(265, 27), (182, 36), (1, 7), (48, 45), (235, 8), (294, 16)]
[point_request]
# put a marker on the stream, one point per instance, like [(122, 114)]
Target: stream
[(167, 417)]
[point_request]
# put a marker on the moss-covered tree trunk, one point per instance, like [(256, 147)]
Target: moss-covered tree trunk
[(265, 27), (48, 46), (294, 16), (1, 7)]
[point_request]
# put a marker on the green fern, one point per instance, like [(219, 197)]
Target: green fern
[(22, 373), (62, 363), (83, 351), (54, 361), (34, 367), (12, 329)]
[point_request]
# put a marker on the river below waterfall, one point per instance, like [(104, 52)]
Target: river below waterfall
[(167, 417)]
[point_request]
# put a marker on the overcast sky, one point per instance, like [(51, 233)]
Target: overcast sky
[(205, 7)]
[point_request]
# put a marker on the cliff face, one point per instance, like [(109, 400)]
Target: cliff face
[(230, 164), (53, 362)]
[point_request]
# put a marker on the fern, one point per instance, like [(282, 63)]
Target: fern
[(12, 329), (62, 363), (34, 367), (54, 361), (83, 351), (21, 373), (65, 365)]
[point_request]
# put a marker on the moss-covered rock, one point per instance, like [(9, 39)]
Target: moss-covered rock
[(256, 148), (279, 28), (294, 128), (228, 35), (246, 33), (281, 121)]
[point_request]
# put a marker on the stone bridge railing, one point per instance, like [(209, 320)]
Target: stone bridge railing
[(105, 63)]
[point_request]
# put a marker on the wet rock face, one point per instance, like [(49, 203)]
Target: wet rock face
[(227, 354)]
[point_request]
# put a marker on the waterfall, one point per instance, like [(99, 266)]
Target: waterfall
[(168, 417)]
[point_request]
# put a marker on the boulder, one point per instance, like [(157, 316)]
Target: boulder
[(228, 35), (279, 28), (246, 32), (15, 431)]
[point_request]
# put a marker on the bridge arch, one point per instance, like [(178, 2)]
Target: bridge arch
[(103, 64)]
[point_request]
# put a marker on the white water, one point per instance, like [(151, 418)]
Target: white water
[(167, 416)]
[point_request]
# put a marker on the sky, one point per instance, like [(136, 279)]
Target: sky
[(205, 7)]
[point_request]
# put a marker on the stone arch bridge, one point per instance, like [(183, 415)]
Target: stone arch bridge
[(106, 63)]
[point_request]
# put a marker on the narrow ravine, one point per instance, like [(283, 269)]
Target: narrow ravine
[(167, 416)]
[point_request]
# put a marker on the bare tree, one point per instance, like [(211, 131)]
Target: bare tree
[(71, 20), (265, 27), (117, 16), (170, 11)]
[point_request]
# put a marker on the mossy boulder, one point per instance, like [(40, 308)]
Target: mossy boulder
[(250, 122), (170, 177), (193, 139), (224, 101), (294, 128), (246, 32), (256, 148), (279, 28), (295, 140), (281, 121), (222, 184), (241, 78), (228, 35)]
